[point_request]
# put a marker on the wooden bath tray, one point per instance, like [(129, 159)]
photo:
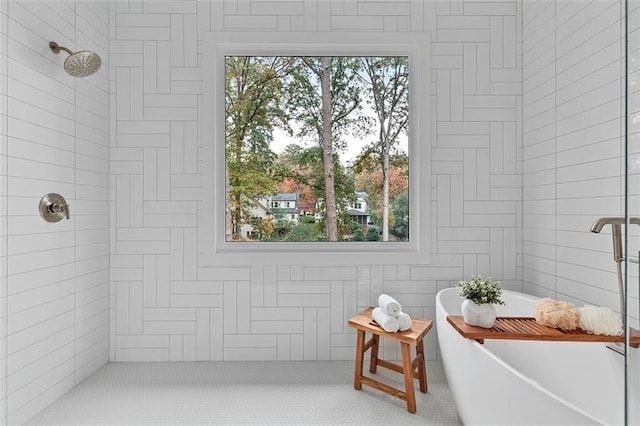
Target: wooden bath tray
[(526, 328)]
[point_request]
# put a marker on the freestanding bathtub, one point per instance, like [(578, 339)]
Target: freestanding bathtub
[(528, 382)]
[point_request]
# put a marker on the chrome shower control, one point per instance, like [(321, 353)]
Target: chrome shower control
[(54, 208)]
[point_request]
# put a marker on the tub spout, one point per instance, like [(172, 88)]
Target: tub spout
[(616, 232), (599, 223), (616, 223)]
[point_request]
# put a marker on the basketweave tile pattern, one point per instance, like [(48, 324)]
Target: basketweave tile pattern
[(164, 306)]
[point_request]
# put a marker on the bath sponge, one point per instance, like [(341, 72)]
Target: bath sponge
[(556, 314), (600, 320)]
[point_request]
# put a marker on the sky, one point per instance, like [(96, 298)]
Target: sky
[(354, 145)]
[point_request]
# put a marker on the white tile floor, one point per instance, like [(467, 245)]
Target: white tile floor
[(304, 392)]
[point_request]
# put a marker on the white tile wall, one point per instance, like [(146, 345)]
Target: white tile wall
[(633, 301), (165, 306), (54, 278), (3, 210), (573, 150)]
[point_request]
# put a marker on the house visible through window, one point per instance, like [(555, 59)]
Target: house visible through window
[(316, 148)]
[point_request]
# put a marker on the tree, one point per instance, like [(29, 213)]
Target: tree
[(305, 175), (400, 208), (302, 232), (263, 229), (301, 168), (387, 80), (253, 94), (372, 235), (325, 100), (369, 178)]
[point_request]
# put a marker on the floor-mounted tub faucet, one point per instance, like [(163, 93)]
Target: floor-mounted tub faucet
[(616, 223), (616, 233)]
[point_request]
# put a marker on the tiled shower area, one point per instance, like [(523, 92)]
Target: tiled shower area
[(525, 150)]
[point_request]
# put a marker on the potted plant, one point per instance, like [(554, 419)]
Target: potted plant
[(481, 295)]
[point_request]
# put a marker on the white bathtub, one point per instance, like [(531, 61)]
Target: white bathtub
[(527, 382)]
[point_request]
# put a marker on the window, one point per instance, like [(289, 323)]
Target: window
[(325, 130), (218, 249)]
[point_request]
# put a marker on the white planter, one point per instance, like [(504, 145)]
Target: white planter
[(478, 315)]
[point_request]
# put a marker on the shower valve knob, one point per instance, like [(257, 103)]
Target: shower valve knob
[(57, 208), (54, 208)]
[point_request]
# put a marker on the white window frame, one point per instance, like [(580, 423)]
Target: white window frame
[(215, 251)]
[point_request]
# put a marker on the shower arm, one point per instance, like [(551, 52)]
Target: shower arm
[(55, 48)]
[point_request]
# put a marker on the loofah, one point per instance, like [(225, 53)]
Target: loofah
[(600, 320), (553, 313)]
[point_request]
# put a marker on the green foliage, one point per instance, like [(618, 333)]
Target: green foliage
[(263, 229), (307, 219), (369, 178), (304, 98), (302, 232), (481, 290), (358, 235), (253, 107), (326, 102), (400, 209), (268, 92), (372, 235), (386, 79)]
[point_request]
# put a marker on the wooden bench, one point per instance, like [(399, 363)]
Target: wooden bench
[(411, 369)]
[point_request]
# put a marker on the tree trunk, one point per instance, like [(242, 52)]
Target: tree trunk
[(385, 198), (327, 152), (228, 220), (237, 222), (236, 215)]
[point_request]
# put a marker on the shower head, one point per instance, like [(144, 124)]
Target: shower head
[(78, 64)]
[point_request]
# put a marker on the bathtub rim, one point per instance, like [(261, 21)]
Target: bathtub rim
[(526, 379)]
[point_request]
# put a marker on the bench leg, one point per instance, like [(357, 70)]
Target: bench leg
[(408, 377), (357, 379), (422, 367), (373, 364)]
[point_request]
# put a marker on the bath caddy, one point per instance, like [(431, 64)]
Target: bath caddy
[(526, 328)]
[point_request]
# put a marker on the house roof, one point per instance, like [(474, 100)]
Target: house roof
[(356, 212), (285, 196)]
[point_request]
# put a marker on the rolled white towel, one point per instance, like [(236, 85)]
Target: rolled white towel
[(404, 320), (600, 320), (389, 305), (387, 322)]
